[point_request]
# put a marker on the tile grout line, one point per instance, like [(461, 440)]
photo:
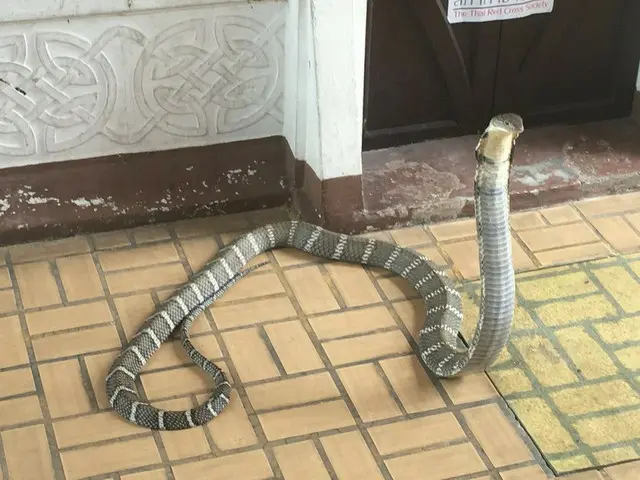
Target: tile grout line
[(56, 457), (334, 375), (55, 272)]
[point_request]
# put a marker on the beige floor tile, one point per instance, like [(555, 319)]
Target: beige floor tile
[(16, 411), (133, 310), (252, 465), (64, 388), (353, 284), (75, 343), (12, 347), (396, 288), (558, 236), (69, 317), (30, 274), (311, 290), (288, 257), (138, 257), (455, 230), (350, 457), (98, 367), (496, 435), (306, 420), (533, 472), (292, 391), (469, 388), (199, 251), (624, 471), (115, 239), (411, 384), (609, 204), (158, 474), (293, 347), (366, 347), (250, 355), (448, 462), (411, 236), (342, 324), (423, 432), (368, 392), (5, 278), (560, 214), (110, 457), (29, 252), (7, 301), (16, 382), (300, 460), (146, 278), (618, 233), (579, 253), (253, 285), (92, 428), (150, 233), (27, 453), (526, 220), (79, 277)]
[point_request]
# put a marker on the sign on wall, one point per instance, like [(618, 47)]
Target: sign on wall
[(489, 10)]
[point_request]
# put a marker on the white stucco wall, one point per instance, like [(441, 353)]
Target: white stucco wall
[(88, 78), (137, 77), (323, 105)]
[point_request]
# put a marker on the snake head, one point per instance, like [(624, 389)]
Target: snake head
[(510, 123)]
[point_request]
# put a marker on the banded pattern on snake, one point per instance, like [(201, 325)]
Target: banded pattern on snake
[(440, 347)]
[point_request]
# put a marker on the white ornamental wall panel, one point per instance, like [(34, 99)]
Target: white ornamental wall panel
[(94, 86)]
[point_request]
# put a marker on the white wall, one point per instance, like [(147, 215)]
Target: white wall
[(323, 104), (146, 75), (147, 80)]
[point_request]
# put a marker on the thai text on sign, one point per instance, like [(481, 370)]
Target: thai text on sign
[(489, 10)]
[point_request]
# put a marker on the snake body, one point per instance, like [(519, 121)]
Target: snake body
[(440, 346)]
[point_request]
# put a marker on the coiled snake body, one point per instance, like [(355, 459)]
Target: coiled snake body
[(440, 348)]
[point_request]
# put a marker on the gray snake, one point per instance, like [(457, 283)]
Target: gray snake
[(440, 346)]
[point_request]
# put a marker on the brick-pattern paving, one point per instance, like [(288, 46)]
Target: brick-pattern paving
[(570, 371), (320, 354)]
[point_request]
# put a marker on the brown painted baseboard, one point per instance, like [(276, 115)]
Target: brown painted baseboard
[(419, 183), (336, 204), (91, 195)]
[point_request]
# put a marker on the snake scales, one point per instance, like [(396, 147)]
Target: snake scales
[(440, 347)]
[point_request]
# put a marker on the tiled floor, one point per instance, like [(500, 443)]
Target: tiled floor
[(320, 354)]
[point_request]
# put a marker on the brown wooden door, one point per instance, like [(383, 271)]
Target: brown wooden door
[(424, 77), (577, 64)]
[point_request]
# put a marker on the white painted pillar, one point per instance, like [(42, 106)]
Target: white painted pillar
[(324, 86)]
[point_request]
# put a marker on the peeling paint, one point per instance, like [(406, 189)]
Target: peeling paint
[(540, 173)]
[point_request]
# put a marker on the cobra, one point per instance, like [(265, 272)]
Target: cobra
[(439, 344)]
